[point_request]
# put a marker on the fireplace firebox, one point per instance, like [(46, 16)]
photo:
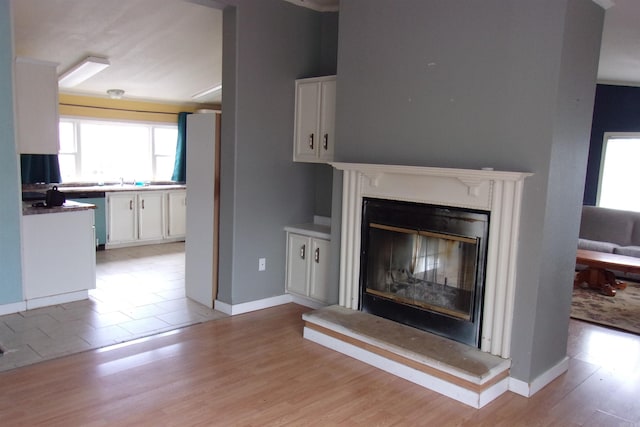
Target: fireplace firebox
[(424, 265)]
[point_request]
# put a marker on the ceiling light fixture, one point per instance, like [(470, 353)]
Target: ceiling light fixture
[(83, 70), (115, 93), (207, 91)]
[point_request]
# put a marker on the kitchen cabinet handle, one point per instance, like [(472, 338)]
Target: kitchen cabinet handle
[(142, 203), (303, 249), (325, 142), (311, 141), (316, 256), (130, 205)]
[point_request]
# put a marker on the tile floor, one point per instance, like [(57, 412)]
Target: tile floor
[(139, 292)]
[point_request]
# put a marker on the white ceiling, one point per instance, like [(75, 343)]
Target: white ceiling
[(162, 50), (169, 50), (620, 51)]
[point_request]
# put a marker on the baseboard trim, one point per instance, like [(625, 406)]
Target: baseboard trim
[(526, 389), (13, 308), (56, 299), (307, 302), (247, 307), (143, 243)]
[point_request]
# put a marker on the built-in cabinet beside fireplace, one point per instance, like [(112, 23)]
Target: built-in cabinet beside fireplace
[(308, 262), (314, 121)]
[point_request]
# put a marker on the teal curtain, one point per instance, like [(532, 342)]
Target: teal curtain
[(37, 168), (180, 165)]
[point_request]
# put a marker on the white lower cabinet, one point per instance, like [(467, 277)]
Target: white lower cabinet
[(150, 215), (59, 257), (307, 265), (135, 217), (121, 218), (318, 287), (177, 214)]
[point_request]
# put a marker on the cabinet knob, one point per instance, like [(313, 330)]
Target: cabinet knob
[(311, 141), (325, 141), (316, 256), (303, 249), (130, 205)]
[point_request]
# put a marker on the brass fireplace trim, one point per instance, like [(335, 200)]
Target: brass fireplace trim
[(436, 308), (425, 233)]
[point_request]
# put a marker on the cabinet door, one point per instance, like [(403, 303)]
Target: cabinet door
[(121, 217), (298, 253), (177, 213), (318, 288), (36, 84), (150, 217), (307, 139), (59, 254), (327, 120)]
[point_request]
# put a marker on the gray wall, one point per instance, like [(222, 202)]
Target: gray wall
[(10, 253), (570, 145), (267, 45), (503, 84)]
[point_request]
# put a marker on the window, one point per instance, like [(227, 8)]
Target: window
[(619, 172), (107, 151)]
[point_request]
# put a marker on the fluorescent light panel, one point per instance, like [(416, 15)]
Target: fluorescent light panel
[(207, 91), (82, 71)]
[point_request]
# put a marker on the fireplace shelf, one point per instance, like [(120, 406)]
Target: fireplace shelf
[(456, 370)]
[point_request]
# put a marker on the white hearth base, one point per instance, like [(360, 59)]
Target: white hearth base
[(455, 370)]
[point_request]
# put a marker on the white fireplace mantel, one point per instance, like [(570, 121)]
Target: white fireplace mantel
[(498, 192)]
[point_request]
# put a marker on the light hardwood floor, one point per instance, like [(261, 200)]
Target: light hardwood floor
[(256, 369)]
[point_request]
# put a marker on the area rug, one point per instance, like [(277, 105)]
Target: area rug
[(621, 311)]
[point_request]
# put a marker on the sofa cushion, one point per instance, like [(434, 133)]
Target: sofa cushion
[(628, 251), (609, 225), (594, 245)]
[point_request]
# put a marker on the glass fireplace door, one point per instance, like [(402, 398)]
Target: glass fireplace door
[(430, 270)]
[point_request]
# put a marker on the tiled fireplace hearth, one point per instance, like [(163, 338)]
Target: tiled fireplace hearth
[(497, 193)]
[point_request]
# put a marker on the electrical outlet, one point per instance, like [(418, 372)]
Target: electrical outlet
[(262, 264)]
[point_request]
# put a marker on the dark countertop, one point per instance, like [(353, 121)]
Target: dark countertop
[(118, 187), (37, 192), (69, 206)]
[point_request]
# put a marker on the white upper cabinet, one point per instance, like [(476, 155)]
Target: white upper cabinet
[(36, 92), (314, 136)]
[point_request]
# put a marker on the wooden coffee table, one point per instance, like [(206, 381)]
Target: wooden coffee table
[(598, 275)]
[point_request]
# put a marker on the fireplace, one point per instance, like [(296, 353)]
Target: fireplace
[(497, 194), (407, 230), (423, 265)]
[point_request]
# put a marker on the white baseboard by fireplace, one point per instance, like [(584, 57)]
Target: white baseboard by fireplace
[(526, 389), (246, 307)]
